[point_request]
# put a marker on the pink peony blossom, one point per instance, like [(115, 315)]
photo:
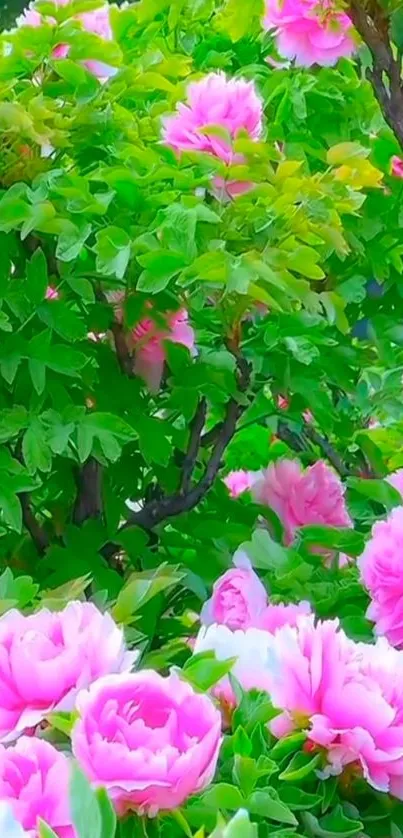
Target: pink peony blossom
[(381, 572), (238, 482), (299, 498), (51, 293), (47, 657), (151, 741), (237, 601), (309, 31), (34, 780), (397, 166), (277, 615), (147, 339), (347, 696), (230, 104), (96, 22), (396, 480), (249, 648)]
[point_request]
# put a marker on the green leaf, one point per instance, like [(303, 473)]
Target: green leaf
[(11, 508), (203, 670), (300, 766), (223, 796), (37, 277), (71, 242), (396, 27), (161, 266), (85, 810), (267, 804), (112, 250), (108, 814), (377, 490), (45, 831), (141, 587)]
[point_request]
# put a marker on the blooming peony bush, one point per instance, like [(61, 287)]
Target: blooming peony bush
[(201, 425)]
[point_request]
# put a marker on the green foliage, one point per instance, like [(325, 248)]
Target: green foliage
[(299, 278)]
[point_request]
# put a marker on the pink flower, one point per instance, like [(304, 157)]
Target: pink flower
[(396, 480), (151, 741), (299, 498), (34, 780), (230, 104), (277, 615), (309, 31), (347, 696), (238, 482), (238, 599), (381, 572), (397, 166), (47, 657), (51, 293), (96, 22), (147, 339)]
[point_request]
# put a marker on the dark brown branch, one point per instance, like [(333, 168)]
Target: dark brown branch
[(38, 534), (385, 76), (158, 510), (327, 448), (89, 492), (196, 430), (122, 353)]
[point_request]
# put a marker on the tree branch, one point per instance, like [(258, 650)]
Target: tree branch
[(327, 448), (158, 510), (89, 492), (38, 534), (385, 76), (196, 430)]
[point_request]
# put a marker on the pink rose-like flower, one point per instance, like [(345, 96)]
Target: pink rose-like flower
[(47, 657), (381, 572), (277, 615), (96, 22), (147, 339), (346, 695), (238, 482), (396, 480), (51, 293), (397, 166), (34, 780), (299, 498), (309, 31), (237, 601), (227, 103), (151, 741)]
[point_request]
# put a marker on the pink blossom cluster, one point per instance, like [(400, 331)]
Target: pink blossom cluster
[(346, 696), (298, 496), (150, 740), (96, 21), (237, 622), (147, 340), (381, 572), (239, 601), (309, 31), (229, 107)]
